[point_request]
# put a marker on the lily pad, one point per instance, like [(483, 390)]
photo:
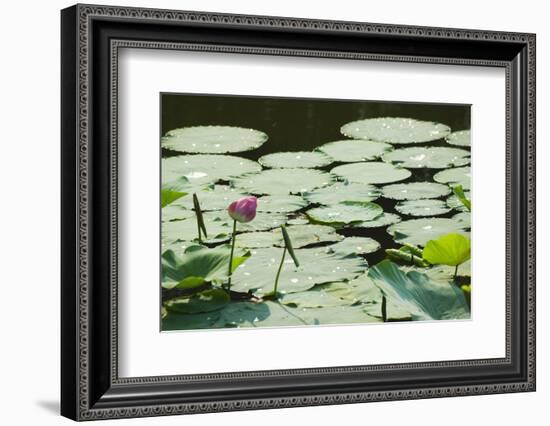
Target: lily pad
[(416, 292), (353, 150), (345, 212), (219, 226), (298, 220), (213, 139), (300, 235), (419, 231), (280, 203), (294, 160), (369, 173), (282, 181), (175, 212), (217, 198), (455, 176), (384, 219), (204, 169), (450, 249), (316, 267), (355, 245), (343, 191), (206, 301), (415, 191), (464, 218), (432, 157), (460, 138), (422, 207), (395, 130)]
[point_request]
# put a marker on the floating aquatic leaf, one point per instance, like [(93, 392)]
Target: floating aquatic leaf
[(316, 267), (355, 245), (395, 130), (294, 160), (432, 157), (384, 219), (298, 220), (369, 173), (460, 138), (422, 207), (197, 266), (204, 169), (342, 191), (301, 235), (173, 321), (219, 226), (450, 249), (175, 212), (464, 218), (455, 176), (206, 301), (415, 191), (419, 231), (280, 203), (213, 139), (351, 151), (282, 181), (216, 198), (345, 212), (424, 298)]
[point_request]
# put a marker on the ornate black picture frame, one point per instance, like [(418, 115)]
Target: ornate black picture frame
[(91, 37)]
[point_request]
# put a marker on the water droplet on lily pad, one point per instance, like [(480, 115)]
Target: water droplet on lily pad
[(213, 139), (371, 173), (432, 158), (292, 160), (395, 130)]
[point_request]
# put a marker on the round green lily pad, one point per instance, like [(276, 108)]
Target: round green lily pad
[(345, 212), (280, 203), (369, 173), (432, 158), (316, 267), (395, 130), (456, 204), (460, 138), (384, 219), (217, 198), (355, 245), (422, 207), (300, 236), (294, 160), (353, 150), (464, 218), (206, 169), (282, 181), (415, 191), (298, 220), (172, 212), (456, 176), (419, 231), (342, 191), (213, 139)]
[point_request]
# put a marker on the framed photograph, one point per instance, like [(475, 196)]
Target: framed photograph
[(263, 212)]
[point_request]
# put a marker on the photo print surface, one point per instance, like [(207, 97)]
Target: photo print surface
[(280, 212)]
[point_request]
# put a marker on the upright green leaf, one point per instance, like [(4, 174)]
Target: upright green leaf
[(288, 245), (450, 249), (459, 192)]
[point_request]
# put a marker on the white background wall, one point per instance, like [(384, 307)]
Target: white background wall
[(29, 225)]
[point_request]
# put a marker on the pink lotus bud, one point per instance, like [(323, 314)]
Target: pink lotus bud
[(243, 210)]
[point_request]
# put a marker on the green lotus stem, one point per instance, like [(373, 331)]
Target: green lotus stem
[(230, 270), (279, 273), (384, 309), (200, 219), (198, 229), (456, 273)]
